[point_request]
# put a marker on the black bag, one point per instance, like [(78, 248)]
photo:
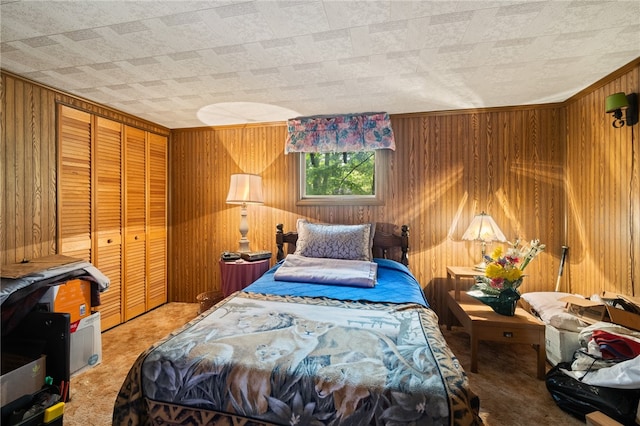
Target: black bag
[(580, 399)]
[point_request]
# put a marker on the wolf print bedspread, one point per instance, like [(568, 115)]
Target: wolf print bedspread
[(259, 359)]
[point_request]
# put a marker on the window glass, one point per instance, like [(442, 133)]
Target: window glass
[(340, 178)]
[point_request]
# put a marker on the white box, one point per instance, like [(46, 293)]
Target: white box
[(86, 344), (560, 344)]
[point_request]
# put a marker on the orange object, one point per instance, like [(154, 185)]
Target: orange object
[(74, 297)]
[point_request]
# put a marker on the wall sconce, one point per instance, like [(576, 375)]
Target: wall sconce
[(615, 103)]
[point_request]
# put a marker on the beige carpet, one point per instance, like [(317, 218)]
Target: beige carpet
[(509, 393)]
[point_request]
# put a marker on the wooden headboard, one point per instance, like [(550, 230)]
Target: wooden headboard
[(383, 244)]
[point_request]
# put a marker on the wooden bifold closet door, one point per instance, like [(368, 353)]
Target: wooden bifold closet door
[(112, 209), (157, 224), (108, 216), (135, 213), (74, 183)]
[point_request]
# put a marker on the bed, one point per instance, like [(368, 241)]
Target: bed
[(298, 353)]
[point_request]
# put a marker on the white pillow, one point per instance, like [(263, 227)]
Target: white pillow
[(351, 242), (551, 310)]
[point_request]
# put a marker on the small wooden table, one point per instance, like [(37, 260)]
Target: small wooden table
[(482, 323), (454, 273), (238, 274)]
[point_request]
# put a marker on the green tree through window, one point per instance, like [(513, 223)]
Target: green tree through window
[(347, 173)]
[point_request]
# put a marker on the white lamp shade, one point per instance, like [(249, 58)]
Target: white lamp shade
[(245, 189), (483, 228)]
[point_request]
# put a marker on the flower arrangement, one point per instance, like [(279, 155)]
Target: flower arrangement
[(506, 271)]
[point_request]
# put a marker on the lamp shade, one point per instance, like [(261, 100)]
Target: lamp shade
[(245, 189), (615, 101), (483, 228)]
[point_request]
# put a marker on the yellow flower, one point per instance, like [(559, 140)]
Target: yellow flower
[(494, 270), (497, 252), (513, 274)]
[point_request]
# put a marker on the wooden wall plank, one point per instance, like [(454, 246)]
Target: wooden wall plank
[(8, 143), (19, 170)]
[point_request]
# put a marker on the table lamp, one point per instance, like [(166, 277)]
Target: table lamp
[(245, 189), (484, 229)]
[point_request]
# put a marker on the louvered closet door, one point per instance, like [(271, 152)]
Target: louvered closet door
[(108, 216), (157, 221), (74, 177), (135, 284)]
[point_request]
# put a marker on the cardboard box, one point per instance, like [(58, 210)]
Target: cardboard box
[(560, 344), (620, 316), (21, 375), (31, 266), (585, 309), (591, 311), (73, 297), (86, 344)]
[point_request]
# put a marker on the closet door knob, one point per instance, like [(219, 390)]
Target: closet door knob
[(109, 241)]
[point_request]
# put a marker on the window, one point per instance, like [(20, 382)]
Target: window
[(341, 178), (342, 159)]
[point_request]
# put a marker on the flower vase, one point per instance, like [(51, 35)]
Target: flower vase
[(503, 303)]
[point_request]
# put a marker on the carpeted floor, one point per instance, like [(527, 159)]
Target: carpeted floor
[(506, 380)]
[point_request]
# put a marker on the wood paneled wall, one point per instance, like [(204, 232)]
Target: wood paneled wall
[(28, 152), (557, 172), (603, 191), (447, 167), (28, 165)]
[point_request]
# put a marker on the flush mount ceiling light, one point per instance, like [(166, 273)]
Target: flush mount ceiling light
[(226, 113), (615, 103)]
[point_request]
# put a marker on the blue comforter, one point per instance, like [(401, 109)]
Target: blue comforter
[(396, 284)]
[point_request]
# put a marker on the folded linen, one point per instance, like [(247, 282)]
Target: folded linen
[(616, 346), (353, 273)]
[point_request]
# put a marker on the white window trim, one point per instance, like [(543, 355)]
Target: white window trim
[(382, 161)]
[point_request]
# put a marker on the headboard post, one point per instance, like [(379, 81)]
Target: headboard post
[(279, 241), (290, 238), (405, 245)]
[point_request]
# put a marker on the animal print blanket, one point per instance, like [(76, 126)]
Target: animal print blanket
[(260, 359)]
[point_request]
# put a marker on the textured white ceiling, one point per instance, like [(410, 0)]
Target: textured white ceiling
[(166, 60)]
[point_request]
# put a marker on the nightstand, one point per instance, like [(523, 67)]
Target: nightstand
[(455, 273), (481, 323), (455, 276), (238, 274)]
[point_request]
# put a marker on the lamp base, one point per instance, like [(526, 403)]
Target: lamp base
[(480, 266), (244, 229), (243, 246)]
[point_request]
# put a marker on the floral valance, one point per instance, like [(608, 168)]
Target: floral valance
[(340, 133)]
